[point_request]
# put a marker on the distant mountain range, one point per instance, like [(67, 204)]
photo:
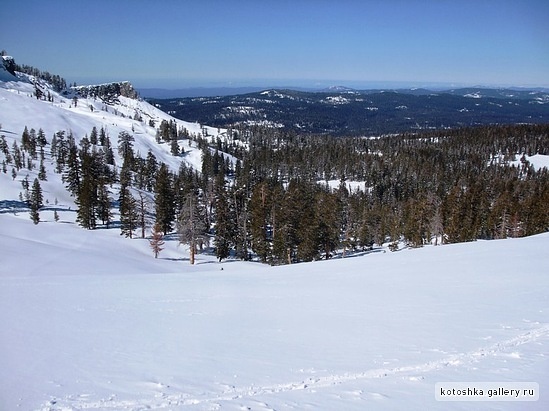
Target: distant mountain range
[(345, 111), (163, 93)]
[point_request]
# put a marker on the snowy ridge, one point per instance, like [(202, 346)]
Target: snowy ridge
[(19, 108)]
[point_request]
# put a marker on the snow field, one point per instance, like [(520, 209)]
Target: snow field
[(93, 321)]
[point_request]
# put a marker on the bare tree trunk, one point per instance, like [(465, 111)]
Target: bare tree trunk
[(192, 251)]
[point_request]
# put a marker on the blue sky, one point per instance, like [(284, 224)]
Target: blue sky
[(171, 43)]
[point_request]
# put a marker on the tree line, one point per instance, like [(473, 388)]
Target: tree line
[(262, 193)]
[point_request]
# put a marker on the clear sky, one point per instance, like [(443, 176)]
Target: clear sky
[(172, 43)]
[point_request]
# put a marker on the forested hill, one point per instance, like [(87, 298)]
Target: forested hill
[(373, 112), (95, 158)]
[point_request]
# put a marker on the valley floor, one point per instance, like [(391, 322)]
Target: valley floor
[(96, 327)]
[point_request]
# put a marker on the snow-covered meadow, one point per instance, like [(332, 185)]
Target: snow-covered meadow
[(92, 321)]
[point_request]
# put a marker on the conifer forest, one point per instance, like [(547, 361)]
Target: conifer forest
[(281, 197)]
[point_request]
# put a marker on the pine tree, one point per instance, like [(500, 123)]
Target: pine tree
[(41, 138), (42, 169), (93, 136), (151, 168), (104, 212), (102, 137), (25, 139), (129, 218), (174, 145), (86, 201), (109, 153), (17, 156), (4, 148), (223, 229), (125, 147), (35, 201), (241, 217), (300, 200), (72, 173), (87, 197), (31, 149), (259, 220), (327, 219), (164, 199), (127, 204), (190, 224)]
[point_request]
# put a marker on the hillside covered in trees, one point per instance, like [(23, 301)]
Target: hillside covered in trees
[(285, 198), (267, 193), (280, 201)]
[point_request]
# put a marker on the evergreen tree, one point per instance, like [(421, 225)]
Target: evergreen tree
[(109, 154), (90, 186), (17, 156), (241, 217), (104, 212), (129, 217), (59, 149), (174, 145), (86, 201), (41, 138), (127, 204), (260, 227), (164, 199), (327, 219), (102, 137), (72, 176), (151, 168), (42, 171), (303, 206), (4, 148), (32, 144), (35, 201), (25, 139), (223, 229), (125, 147), (94, 136)]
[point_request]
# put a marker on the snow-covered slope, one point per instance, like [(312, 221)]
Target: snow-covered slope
[(92, 321), (18, 108)]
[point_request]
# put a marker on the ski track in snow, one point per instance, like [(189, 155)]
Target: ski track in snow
[(232, 394)]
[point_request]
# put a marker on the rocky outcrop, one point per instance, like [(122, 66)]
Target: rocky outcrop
[(7, 69), (108, 92)]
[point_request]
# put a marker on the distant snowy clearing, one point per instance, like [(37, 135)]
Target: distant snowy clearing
[(97, 327), (538, 161)]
